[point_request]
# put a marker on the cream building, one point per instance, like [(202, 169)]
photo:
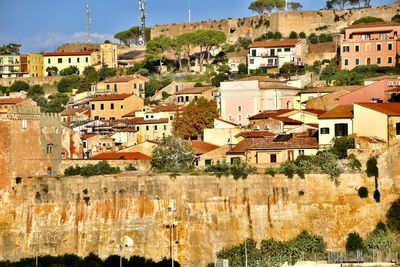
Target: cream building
[(63, 60), (114, 107)]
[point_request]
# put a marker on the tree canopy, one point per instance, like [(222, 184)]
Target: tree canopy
[(10, 49), (131, 36), (267, 6)]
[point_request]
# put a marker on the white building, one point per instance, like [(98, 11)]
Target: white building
[(268, 56)]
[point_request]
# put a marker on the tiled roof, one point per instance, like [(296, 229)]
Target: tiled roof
[(269, 114), (314, 111), (277, 85), (141, 120), (11, 101), (373, 24), (87, 136), (111, 97), (73, 111), (228, 122), (255, 134), (126, 78), (288, 121), (167, 108), (344, 111), (122, 155), (275, 43), (270, 143), (390, 109), (330, 89), (195, 90), (384, 77), (125, 130), (61, 54), (261, 79), (200, 147)]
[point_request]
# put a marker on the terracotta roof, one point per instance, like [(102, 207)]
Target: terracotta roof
[(314, 125), (195, 90), (111, 97), (87, 136), (269, 114), (255, 134), (271, 143), (275, 43), (384, 77), (73, 111), (126, 129), (261, 79), (61, 54), (390, 109), (200, 147), (330, 89), (314, 111), (393, 90), (373, 24), (126, 78), (228, 122), (288, 121), (344, 111), (11, 101), (122, 156), (167, 108), (277, 85), (141, 120)]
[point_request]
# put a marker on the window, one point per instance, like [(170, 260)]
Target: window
[(165, 127), (134, 86), (96, 117), (49, 149), (390, 60), (102, 106), (112, 118), (378, 47), (239, 108), (301, 152), (287, 49), (272, 52), (390, 47), (59, 60), (49, 60), (112, 105), (239, 118), (398, 128), (357, 61), (115, 88), (140, 87), (346, 62), (78, 60), (325, 130), (69, 60), (341, 129), (357, 48), (378, 60), (122, 106), (187, 98), (279, 50), (171, 118), (272, 158), (346, 49), (108, 87), (155, 127), (253, 52), (196, 98), (87, 60), (147, 127), (137, 128), (93, 106), (208, 162), (251, 61), (24, 124)]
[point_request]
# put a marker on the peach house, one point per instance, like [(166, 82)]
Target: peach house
[(129, 84), (374, 43)]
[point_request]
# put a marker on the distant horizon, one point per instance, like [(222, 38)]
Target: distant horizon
[(44, 33)]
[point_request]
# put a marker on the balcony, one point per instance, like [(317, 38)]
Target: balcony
[(268, 65)]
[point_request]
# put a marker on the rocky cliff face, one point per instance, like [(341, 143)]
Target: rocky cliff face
[(324, 21), (81, 215)]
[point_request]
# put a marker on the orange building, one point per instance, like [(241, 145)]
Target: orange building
[(374, 43)]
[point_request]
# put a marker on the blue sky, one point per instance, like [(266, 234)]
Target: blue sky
[(41, 25)]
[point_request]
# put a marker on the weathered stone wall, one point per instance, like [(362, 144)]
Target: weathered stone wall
[(285, 22), (31, 80), (139, 164)]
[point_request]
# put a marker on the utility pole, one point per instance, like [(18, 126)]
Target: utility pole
[(142, 35), (88, 24)]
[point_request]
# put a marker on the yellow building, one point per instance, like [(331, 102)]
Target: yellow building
[(114, 107), (63, 60), (35, 65)]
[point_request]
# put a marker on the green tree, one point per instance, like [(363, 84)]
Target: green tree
[(393, 216), (186, 40), (105, 73), (131, 36), (355, 3), (66, 84), (372, 167), (196, 117), (10, 49), (288, 70), (302, 35), (379, 240), (280, 4), (367, 19), (173, 155), (178, 49), (91, 74), (57, 103), (243, 42), (341, 4), (354, 242), (71, 70), (277, 35), (19, 86), (156, 48), (242, 68), (35, 90), (262, 6), (293, 35), (52, 71), (340, 145), (295, 6), (363, 192)]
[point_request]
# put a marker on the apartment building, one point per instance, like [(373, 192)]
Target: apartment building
[(10, 67), (114, 107), (374, 43)]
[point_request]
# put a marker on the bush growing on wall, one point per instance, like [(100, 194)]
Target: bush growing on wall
[(354, 242), (103, 167), (237, 170), (393, 216), (363, 192), (372, 167)]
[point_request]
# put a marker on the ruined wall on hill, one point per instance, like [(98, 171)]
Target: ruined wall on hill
[(82, 215), (32, 80), (285, 22)]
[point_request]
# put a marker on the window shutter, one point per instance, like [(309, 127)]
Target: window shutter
[(337, 130)]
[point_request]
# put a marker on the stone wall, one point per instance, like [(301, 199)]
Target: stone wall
[(139, 164), (285, 22), (31, 80)]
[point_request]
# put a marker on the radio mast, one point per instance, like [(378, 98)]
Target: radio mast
[(142, 35), (88, 24)]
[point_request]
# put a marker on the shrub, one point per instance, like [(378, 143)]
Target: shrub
[(130, 167), (242, 68), (165, 95), (302, 35), (381, 226), (71, 70), (363, 192), (377, 196), (329, 38), (341, 145), (293, 35), (66, 84), (271, 171), (396, 18), (277, 35), (198, 84), (102, 167), (314, 40), (288, 168), (322, 38), (18, 86), (372, 167), (368, 19), (379, 241), (354, 242), (221, 168), (353, 163), (237, 170)]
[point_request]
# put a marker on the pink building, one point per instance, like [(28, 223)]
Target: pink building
[(380, 91), (374, 43)]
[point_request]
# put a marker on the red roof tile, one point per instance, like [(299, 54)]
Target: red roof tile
[(11, 101), (373, 24), (126, 78), (275, 43), (141, 120), (87, 136), (228, 122), (73, 111), (195, 90), (314, 111), (111, 97), (330, 89), (344, 111), (167, 108), (122, 156), (269, 114), (61, 54), (200, 147), (255, 134), (390, 109)]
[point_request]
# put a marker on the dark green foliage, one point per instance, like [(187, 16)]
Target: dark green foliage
[(288, 168), (66, 84), (165, 95), (396, 18), (353, 163), (271, 171), (103, 167), (302, 35), (71, 70), (293, 35), (377, 196), (10, 49), (381, 226), (368, 19), (130, 167), (237, 169), (131, 36), (243, 42), (354, 242), (3, 90), (198, 84), (322, 38), (242, 68), (35, 90), (277, 35), (372, 167), (18, 86), (322, 28), (91, 74), (314, 40), (341, 145), (393, 216), (218, 78), (56, 103), (154, 85), (363, 192), (106, 73), (329, 38)]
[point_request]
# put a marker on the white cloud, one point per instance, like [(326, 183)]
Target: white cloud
[(50, 41)]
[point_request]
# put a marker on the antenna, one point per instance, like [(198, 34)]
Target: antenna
[(142, 35), (190, 12), (88, 24)]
